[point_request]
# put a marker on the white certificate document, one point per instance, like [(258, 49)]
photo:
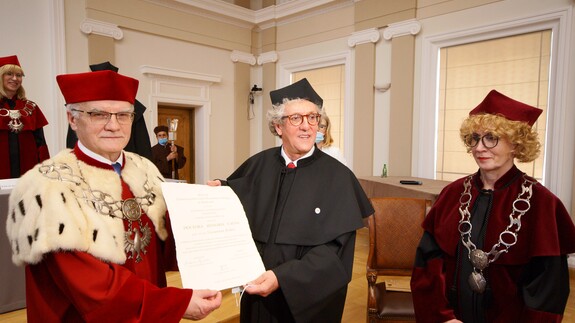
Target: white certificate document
[(214, 244)]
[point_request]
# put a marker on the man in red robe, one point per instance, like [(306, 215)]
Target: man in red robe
[(88, 222)]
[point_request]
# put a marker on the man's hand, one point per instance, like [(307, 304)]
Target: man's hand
[(264, 285), (172, 155), (216, 182), (203, 302)]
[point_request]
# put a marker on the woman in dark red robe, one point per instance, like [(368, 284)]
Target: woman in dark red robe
[(496, 242), (22, 143)]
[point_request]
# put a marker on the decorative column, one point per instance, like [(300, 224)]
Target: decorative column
[(101, 37), (402, 37), (363, 102)]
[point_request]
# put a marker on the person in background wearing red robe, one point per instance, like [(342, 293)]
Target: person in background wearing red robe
[(88, 222), (22, 142), (496, 242)]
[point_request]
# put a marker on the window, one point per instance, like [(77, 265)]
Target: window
[(329, 83), (517, 66)]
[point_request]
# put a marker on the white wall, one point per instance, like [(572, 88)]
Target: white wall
[(29, 32)]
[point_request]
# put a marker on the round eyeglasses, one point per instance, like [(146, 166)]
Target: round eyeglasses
[(488, 140), (102, 117), (296, 119)]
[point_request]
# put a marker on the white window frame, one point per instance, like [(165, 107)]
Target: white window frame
[(557, 169)]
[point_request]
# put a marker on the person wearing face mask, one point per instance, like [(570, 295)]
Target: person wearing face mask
[(22, 142), (324, 140), (166, 156)]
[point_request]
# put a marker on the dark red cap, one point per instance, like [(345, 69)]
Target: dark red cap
[(499, 104), (9, 60), (96, 86)]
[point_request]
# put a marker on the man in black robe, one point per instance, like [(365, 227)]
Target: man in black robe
[(139, 142), (304, 208)]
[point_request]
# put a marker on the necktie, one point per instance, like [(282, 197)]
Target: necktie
[(291, 165), (117, 168)]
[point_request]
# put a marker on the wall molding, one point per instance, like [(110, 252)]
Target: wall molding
[(268, 57), (371, 35), (403, 28), (243, 57), (162, 80), (91, 26)]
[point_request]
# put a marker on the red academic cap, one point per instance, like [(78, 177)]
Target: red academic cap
[(96, 86), (300, 89), (9, 60), (497, 103)]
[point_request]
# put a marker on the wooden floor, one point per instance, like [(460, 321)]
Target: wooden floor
[(355, 305)]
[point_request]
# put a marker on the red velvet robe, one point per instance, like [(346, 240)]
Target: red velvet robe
[(521, 284), (74, 286), (32, 149)]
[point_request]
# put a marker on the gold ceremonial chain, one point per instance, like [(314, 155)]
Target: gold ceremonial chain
[(15, 124), (479, 258), (130, 209)]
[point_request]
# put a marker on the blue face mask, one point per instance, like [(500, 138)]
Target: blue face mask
[(163, 141), (319, 137)]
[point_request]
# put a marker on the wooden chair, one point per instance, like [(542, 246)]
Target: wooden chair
[(394, 234)]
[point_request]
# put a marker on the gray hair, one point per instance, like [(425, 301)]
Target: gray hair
[(275, 115), (72, 109)]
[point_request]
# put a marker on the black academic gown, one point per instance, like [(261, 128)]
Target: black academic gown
[(303, 221)]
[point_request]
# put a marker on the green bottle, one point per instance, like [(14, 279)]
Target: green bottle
[(384, 172)]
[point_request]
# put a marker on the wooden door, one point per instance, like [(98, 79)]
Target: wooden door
[(184, 136)]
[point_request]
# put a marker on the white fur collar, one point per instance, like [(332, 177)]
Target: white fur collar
[(47, 213)]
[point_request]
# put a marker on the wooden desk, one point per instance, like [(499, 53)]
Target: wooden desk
[(375, 186)]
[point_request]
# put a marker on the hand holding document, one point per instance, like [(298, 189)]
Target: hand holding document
[(214, 244)]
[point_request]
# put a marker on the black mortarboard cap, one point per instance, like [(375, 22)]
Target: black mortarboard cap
[(300, 89), (106, 66)]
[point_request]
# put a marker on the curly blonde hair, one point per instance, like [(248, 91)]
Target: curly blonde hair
[(520, 134)]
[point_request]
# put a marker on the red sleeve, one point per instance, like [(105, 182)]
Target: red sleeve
[(102, 290), (428, 292), (532, 316), (428, 284)]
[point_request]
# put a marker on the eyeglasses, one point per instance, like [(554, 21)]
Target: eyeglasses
[(297, 119), (102, 117), (488, 140), (12, 74)]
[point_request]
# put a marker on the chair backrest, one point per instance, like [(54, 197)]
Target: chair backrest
[(394, 234)]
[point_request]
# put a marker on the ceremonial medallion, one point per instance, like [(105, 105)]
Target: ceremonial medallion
[(477, 282), (131, 209), (479, 259), (15, 124), (134, 247)]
